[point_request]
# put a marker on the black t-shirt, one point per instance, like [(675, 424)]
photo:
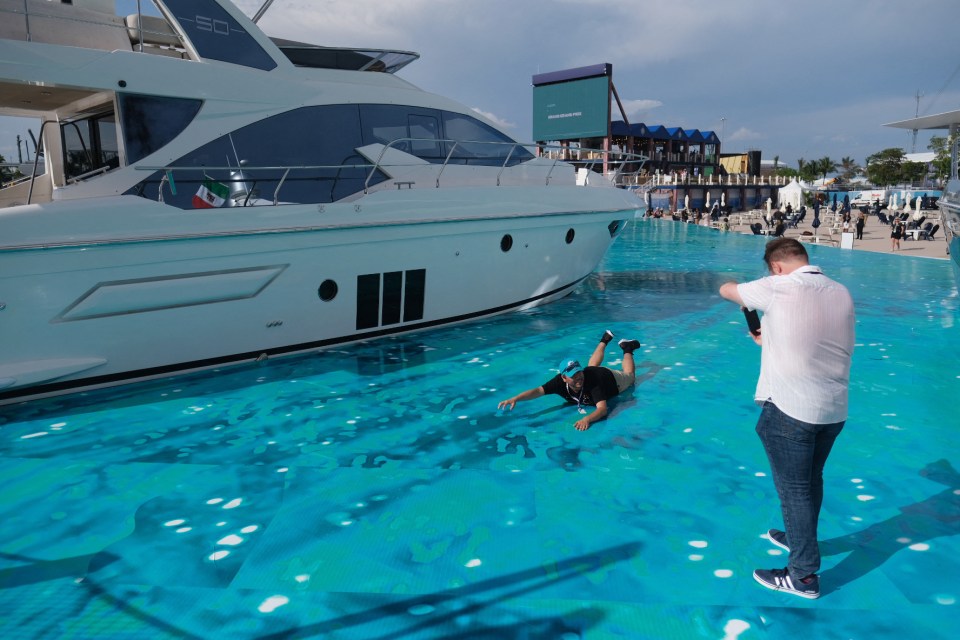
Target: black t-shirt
[(598, 384)]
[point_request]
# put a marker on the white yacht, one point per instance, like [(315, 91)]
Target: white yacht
[(206, 195)]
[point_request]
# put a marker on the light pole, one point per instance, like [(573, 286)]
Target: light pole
[(723, 122)]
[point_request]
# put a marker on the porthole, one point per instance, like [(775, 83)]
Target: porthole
[(328, 290), (506, 243), (570, 234)]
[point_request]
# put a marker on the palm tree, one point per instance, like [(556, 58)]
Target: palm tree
[(848, 168), (825, 165)]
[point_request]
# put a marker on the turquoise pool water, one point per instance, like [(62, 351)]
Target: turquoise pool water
[(375, 491)]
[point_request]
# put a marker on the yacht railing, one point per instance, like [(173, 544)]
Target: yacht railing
[(622, 169), (63, 23), (594, 157), (245, 181)]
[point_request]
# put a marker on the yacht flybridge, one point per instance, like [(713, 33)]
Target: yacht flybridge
[(205, 194)]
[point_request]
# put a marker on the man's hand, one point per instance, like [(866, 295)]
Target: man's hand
[(587, 421), (507, 404)]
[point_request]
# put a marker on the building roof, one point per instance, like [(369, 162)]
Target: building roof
[(660, 132), (936, 121)]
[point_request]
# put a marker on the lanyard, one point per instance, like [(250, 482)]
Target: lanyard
[(579, 398)]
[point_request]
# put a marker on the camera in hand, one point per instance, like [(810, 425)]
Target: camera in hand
[(753, 320)]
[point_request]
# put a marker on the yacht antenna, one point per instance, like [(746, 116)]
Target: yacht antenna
[(262, 10)]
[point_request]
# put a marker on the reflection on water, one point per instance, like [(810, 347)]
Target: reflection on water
[(376, 491)]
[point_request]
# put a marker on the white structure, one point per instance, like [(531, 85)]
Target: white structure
[(791, 194)]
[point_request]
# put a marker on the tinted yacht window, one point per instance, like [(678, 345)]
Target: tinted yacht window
[(90, 145), (426, 130), (318, 142), (216, 35), (383, 123), (386, 123), (149, 122), (248, 166), (479, 143)]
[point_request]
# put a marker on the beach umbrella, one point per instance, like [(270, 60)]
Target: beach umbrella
[(708, 200), (686, 201), (833, 206), (723, 199)]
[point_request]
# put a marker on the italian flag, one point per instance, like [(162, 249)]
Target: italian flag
[(211, 195)]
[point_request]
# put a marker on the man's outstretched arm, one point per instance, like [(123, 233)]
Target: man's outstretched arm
[(529, 394)]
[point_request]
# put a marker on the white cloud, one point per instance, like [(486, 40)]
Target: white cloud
[(500, 122), (640, 108), (344, 23), (743, 135)]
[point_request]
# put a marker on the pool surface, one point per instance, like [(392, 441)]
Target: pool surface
[(375, 491)]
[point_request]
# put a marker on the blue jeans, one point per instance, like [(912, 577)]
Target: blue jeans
[(797, 452)]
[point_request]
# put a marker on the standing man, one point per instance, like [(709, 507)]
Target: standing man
[(591, 386), (806, 340)]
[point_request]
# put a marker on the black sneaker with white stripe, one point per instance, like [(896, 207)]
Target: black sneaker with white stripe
[(780, 580), (629, 346), (778, 538)]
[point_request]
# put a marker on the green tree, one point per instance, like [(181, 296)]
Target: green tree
[(913, 171), (806, 170), (884, 167), (941, 161), (848, 168), (824, 166), (787, 172)]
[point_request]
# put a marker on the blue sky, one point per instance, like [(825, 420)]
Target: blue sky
[(799, 80)]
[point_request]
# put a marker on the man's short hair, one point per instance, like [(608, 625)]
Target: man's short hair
[(784, 250)]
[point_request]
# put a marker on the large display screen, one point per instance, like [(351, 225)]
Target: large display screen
[(573, 109)]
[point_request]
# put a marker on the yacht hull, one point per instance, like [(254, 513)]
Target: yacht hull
[(87, 309), (949, 204)]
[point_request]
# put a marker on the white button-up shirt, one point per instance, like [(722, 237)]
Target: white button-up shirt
[(808, 335)]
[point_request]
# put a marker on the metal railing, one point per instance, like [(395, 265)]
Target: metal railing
[(595, 156), (54, 11), (245, 178)]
